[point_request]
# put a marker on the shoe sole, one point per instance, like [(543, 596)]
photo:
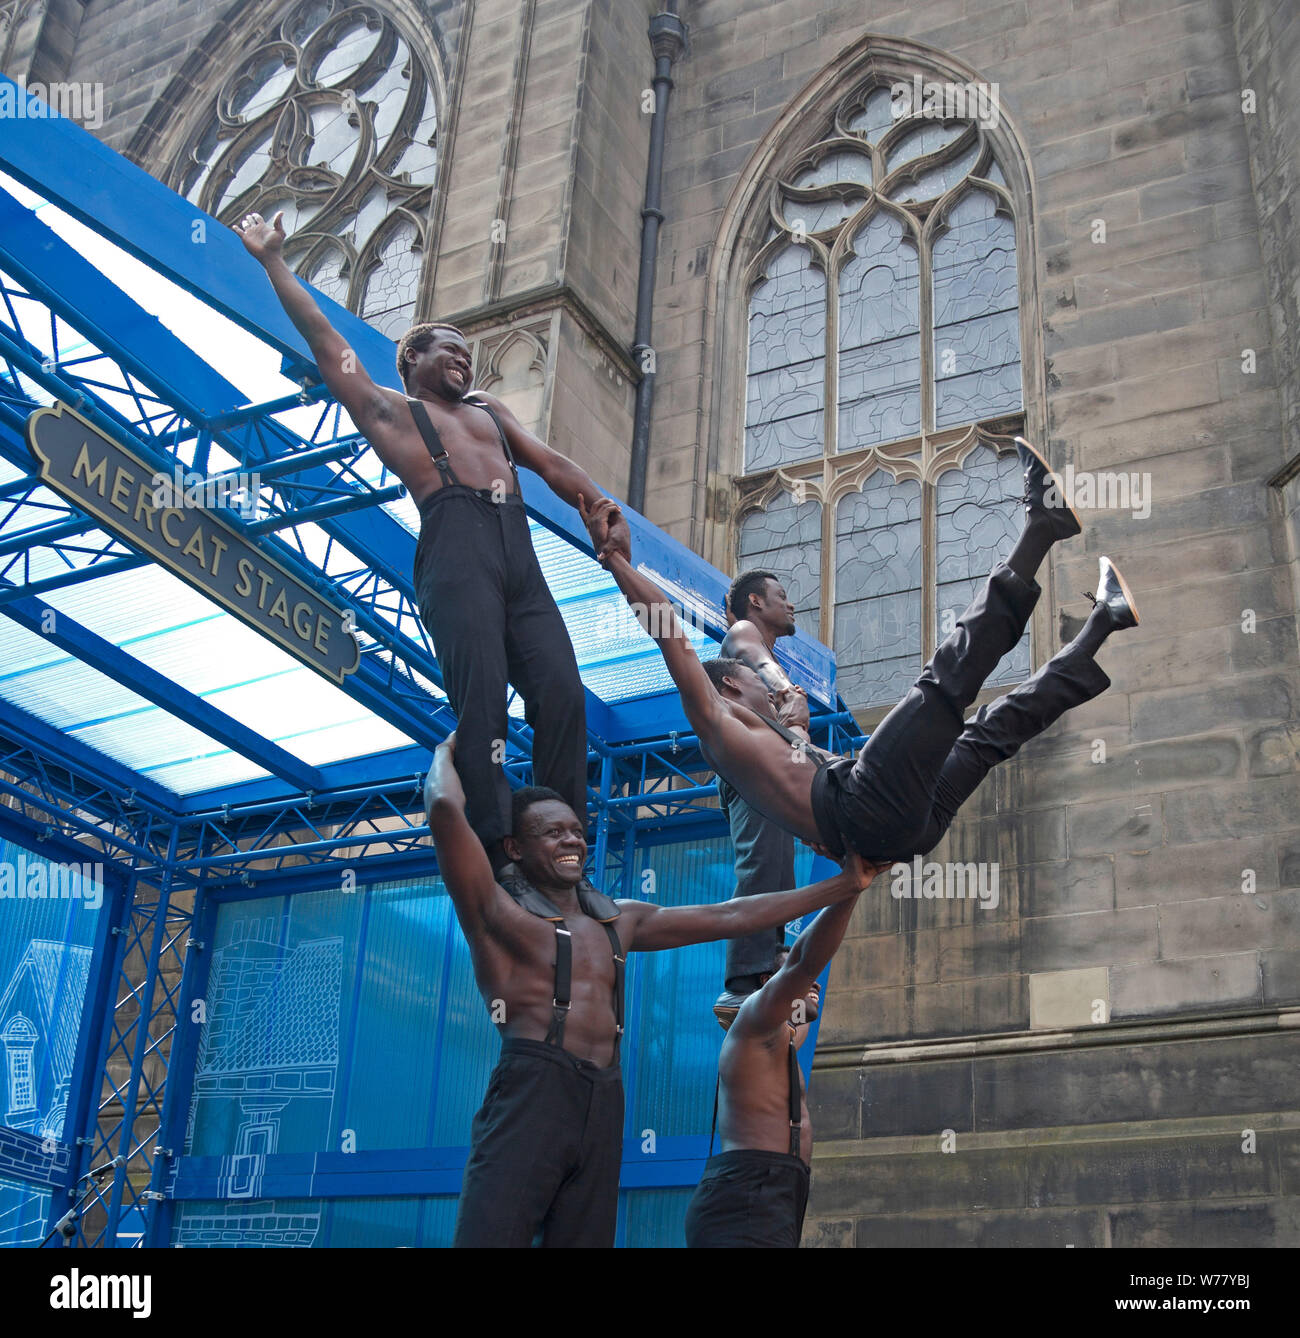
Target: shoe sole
[(1128, 594), (1056, 478)]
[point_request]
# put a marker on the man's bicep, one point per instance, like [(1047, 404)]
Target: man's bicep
[(772, 1006), (464, 865)]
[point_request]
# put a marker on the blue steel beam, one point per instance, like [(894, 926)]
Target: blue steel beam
[(25, 243), (68, 635), (144, 217)]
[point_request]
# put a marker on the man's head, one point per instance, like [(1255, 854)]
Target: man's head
[(760, 597), (804, 1010), (548, 841), (739, 683), (435, 358)]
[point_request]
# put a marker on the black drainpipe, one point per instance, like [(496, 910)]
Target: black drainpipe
[(667, 41)]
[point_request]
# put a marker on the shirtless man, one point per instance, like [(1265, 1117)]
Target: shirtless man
[(481, 593), (754, 1191), (898, 797), (758, 613), (548, 958)]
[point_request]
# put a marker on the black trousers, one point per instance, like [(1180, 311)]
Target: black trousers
[(749, 1200), (764, 855), (899, 796), (547, 1147), (493, 621)]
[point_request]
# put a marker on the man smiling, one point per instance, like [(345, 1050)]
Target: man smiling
[(548, 953), (481, 593)]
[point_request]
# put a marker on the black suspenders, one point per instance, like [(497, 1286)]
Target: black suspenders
[(796, 1106), (560, 1002), (433, 442)]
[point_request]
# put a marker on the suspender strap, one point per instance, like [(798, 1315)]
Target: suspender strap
[(796, 1106), (433, 442), (619, 965), (796, 739), (713, 1128), (501, 432), (563, 984)]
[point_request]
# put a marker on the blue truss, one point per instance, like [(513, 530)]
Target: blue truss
[(171, 857)]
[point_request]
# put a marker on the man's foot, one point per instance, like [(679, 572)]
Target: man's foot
[(1060, 516), (1113, 593)]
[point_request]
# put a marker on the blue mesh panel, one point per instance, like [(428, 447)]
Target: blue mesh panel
[(45, 958)]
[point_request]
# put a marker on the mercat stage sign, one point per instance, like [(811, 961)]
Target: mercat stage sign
[(107, 481)]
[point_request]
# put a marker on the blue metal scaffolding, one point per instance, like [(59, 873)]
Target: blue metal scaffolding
[(236, 812)]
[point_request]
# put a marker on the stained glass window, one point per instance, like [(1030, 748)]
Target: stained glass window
[(332, 120), (859, 446)]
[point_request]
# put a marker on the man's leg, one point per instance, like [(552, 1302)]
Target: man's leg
[(459, 579), (748, 1200), (542, 665), (889, 793), (999, 730), (524, 1140), (764, 860), (584, 1213)]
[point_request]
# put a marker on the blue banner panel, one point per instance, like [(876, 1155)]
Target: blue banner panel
[(346, 1048), (23, 1210), (48, 912)]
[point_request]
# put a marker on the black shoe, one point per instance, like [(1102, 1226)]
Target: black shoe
[(1113, 592), (1062, 517)]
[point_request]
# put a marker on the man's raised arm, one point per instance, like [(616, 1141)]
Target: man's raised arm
[(744, 643), (370, 407), (462, 861), (657, 927), (700, 698), (769, 1009)]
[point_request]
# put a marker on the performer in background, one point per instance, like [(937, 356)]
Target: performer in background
[(759, 613), (754, 1191), (481, 593), (548, 958)]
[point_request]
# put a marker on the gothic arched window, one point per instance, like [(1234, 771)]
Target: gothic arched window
[(332, 119), (883, 386)]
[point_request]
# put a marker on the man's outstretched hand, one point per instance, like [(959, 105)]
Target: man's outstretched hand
[(262, 239), (608, 528), (792, 707), (860, 871)]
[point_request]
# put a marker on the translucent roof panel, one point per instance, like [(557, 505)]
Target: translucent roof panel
[(267, 702)]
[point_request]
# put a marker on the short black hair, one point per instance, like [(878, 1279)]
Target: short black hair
[(419, 337), (746, 584), (723, 667), (522, 800)]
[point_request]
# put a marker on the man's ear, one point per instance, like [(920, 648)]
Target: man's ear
[(511, 847)]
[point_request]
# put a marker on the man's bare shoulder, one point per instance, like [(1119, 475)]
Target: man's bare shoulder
[(741, 635)]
